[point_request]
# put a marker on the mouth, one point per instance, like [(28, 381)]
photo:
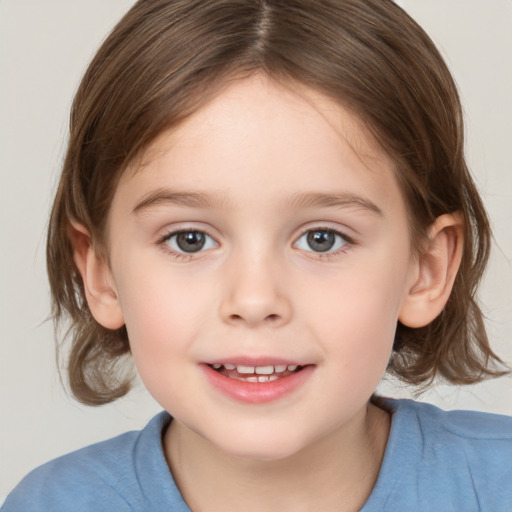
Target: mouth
[(260, 374), (257, 382)]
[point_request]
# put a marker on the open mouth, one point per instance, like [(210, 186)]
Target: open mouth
[(268, 373), (257, 382)]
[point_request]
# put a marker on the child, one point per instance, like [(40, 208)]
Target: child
[(266, 204)]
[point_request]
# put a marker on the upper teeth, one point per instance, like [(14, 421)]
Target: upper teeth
[(260, 370)]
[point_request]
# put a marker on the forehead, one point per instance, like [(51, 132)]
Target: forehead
[(266, 133)]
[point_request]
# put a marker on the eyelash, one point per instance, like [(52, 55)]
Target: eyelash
[(348, 242), (163, 242)]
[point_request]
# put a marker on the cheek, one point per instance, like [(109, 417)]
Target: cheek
[(163, 316), (162, 326), (357, 338), (355, 316)]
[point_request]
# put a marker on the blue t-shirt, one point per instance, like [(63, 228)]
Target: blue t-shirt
[(435, 461)]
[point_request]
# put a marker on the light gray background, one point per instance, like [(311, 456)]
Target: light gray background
[(45, 46)]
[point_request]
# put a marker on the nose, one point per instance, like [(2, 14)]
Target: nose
[(255, 293)]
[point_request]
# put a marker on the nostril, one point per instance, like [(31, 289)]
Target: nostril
[(272, 318)]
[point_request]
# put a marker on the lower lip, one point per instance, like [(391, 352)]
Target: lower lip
[(257, 392)]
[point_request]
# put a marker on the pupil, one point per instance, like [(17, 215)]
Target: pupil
[(321, 241), (190, 241)]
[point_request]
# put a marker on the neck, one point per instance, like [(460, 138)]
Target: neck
[(337, 472)]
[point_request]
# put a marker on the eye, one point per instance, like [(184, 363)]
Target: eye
[(322, 240), (189, 241)]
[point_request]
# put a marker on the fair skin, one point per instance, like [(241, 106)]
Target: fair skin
[(296, 252)]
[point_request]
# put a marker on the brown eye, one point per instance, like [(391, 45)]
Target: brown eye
[(321, 240), (190, 241)]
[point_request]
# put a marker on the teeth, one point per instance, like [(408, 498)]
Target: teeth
[(264, 370), (258, 370), (244, 369), (263, 378)]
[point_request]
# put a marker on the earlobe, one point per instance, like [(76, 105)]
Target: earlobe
[(97, 278), (436, 270)]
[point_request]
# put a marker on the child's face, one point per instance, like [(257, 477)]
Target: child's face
[(298, 254)]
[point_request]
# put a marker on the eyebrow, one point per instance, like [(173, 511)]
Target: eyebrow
[(186, 199), (218, 200), (340, 199)]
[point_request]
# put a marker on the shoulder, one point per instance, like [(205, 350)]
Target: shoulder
[(100, 477), (464, 425), (456, 460), (481, 442), (461, 436), (469, 434)]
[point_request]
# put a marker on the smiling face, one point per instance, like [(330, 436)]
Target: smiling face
[(266, 239)]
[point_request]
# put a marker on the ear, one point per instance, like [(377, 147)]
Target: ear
[(435, 272), (99, 286)]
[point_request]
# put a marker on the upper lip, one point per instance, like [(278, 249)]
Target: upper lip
[(255, 361)]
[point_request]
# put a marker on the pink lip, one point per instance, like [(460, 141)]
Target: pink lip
[(256, 392), (251, 361)]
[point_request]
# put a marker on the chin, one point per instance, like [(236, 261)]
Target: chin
[(270, 447)]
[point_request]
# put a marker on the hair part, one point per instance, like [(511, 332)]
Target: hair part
[(167, 58)]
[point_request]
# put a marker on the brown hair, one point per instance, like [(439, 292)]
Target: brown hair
[(166, 58)]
